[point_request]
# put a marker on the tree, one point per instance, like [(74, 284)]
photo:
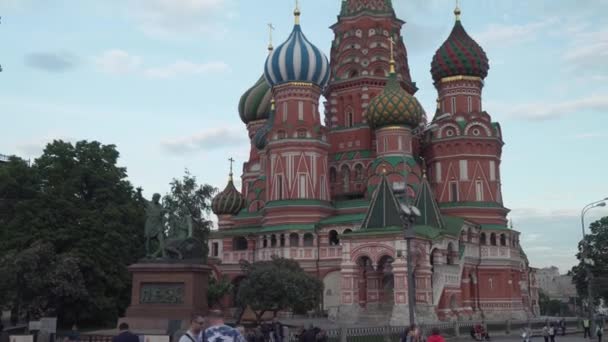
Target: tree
[(217, 289), (278, 284), (188, 200), (71, 224), (596, 244)]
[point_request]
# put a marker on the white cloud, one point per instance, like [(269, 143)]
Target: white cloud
[(502, 35), (118, 62), (185, 68), (588, 53), (539, 111), (214, 138), (179, 18)]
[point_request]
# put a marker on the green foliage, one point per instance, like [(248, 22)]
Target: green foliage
[(70, 226), (189, 200), (597, 250), (278, 284), (216, 289), (553, 307)]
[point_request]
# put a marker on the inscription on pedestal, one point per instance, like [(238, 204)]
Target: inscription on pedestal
[(161, 293)]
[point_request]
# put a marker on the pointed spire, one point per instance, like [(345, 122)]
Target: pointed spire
[(296, 13), (425, 202), (270, 29), (457, 11), (392, 61), (384, 210), (231, 160)]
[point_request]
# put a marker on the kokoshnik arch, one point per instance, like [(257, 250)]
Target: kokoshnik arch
[(328, 194)]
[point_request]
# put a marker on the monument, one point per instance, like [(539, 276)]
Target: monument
[(170, 283)]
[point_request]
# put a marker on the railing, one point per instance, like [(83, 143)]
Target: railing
[(447, 329), (495, 252)]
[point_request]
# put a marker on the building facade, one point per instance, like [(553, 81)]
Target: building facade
[(329, 194)]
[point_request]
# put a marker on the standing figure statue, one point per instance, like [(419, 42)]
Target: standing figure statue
[(155, 228)]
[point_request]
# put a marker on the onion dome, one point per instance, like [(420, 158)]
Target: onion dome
[(394, 106), (297, 60), (230, 201), (459, 55), (255, 102)]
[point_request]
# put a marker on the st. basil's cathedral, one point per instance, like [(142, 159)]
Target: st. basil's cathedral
[(330, 195)]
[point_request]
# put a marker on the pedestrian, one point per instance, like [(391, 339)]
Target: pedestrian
[(526, 335), (194, 332), (562, 325), (552, 332), (599, 331), (218, 331), (124, 335), (277, 330), (546, 332), (435, 336), (587, 328)]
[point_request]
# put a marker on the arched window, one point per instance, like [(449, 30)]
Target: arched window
[(450, 256), (358, 172), (333, 238), (346, 231), (503, 240), (349, 118), (469, 235), (482, 239), (332, 174), (308, 240), (345, 171), (493, 239), (264, 242), (282, 240), (353, 73), (294, 240), (239, 243), (273, 240)]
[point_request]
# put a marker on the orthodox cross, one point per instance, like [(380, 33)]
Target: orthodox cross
[(270, 29), (392, 44), (231, 160)]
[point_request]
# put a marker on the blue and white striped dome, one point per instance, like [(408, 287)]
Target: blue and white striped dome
[(297, 60)]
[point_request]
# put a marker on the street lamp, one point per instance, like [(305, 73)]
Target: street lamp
[(408, 216), (589, 275)]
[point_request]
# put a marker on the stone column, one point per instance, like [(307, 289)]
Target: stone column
[(349, 300), (400, 315)]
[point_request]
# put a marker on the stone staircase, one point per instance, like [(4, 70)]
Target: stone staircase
[(375, 316)]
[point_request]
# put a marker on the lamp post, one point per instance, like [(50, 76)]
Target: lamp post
[(408, 216), (589, 275)]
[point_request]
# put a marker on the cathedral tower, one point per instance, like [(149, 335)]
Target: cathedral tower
[(464, 153), (360, 67), (297, 148)]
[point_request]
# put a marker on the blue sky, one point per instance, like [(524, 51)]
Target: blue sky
[(161, 79)]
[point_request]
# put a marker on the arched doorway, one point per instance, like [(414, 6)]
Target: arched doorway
[(331, 291), (365, 268), (387, 281)]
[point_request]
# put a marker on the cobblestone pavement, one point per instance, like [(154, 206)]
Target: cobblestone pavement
[(515, 337)]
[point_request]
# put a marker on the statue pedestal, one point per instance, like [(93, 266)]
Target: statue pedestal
[(162, 292)]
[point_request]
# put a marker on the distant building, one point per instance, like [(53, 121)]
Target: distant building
[(555, 285)]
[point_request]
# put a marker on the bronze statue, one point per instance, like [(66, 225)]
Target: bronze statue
[(155, 227)]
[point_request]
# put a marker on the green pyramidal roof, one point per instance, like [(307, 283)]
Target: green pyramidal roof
[(384, 209), (429, 210), (355, 7)]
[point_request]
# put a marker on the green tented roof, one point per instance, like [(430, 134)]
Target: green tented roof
[(453, 224), (425, 202), (384, 210), (346, 218)]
